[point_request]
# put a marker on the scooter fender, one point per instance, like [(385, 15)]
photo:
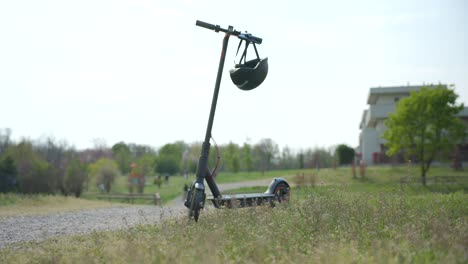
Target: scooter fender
[(274, 183)]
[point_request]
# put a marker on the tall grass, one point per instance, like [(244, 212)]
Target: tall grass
[(320, 225)]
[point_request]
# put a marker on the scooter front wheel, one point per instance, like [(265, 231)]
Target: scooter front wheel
[(196, 204)]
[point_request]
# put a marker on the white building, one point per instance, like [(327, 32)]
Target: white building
[(382, 101)]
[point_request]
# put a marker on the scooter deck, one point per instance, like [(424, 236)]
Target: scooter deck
[(242, 199)]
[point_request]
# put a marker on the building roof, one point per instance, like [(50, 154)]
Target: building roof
[(375, 92)]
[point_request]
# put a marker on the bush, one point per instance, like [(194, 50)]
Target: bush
[(104, 171), (345, 154), (35, 175), (8, 180), (75, 176)]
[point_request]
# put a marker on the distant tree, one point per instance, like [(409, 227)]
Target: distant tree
[(146, 164), (247, 157), (5, 139), (169, 159), (34, 172), (345, 154), (104, 171), (122, 155), (321, 158), (424, 125), (55, 153), (143, 167), (8, 175), (267, 151), (99, 151), (75, 177), (139, 150), (301, 160), (193, 156), (287, 160), (231, 157)]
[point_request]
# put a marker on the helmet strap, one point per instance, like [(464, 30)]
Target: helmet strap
[(244, 54)]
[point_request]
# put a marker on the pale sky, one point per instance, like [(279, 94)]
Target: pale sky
[(142, 72)]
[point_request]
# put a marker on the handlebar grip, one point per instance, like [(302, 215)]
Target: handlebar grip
[(206, 25), (256, 39)]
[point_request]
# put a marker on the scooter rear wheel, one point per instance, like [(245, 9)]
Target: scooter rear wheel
[(282, 192)]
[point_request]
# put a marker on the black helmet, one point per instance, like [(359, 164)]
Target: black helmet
[(248, 75)]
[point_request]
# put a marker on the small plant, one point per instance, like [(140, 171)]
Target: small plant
[(157, 182)]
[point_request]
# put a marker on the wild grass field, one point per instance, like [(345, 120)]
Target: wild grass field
[(341, 220)]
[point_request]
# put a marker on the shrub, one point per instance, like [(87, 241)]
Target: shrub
[(75, 176), (8, 173)]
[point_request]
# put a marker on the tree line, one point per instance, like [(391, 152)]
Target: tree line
[(53, 166)]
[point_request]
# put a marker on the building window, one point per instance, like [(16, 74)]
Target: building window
[(396, 99)]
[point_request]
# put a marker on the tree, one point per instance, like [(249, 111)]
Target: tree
[(267, 151), (321, 158), (104, 171), (169, 159), (5, 139), (193, 157), (231, 157), (345, 154), (247, 157), (8, 180), (34, 172), (55, 154), (288, 160), (301, 160), (143, 167), (424, 125), (75, 176), (123, 156)]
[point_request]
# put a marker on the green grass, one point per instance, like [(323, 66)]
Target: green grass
[(342, 220)]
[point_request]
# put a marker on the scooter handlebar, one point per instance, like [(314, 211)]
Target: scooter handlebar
[(207, 25), (217, 28)]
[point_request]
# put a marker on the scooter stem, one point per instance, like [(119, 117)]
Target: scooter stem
[(202, 170)]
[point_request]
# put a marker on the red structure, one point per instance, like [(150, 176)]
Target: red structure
[(136, 178)]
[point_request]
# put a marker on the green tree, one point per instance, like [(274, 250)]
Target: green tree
[(104, 171), (75, 176), (231, 157), (288, 160), (123, 156), (146, 164), (169, 159), (425, 125), (5, 139), (301, 160), (267, 151), (34, 172), (345, 154), (193, 157), (8, 174), (247, 157)]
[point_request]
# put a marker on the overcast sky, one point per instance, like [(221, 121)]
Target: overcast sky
[(142, 72)]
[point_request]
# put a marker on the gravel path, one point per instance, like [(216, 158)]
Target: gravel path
[(17, 229), (35, 228)]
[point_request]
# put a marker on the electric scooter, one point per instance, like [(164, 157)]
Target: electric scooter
[(277, 191)]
